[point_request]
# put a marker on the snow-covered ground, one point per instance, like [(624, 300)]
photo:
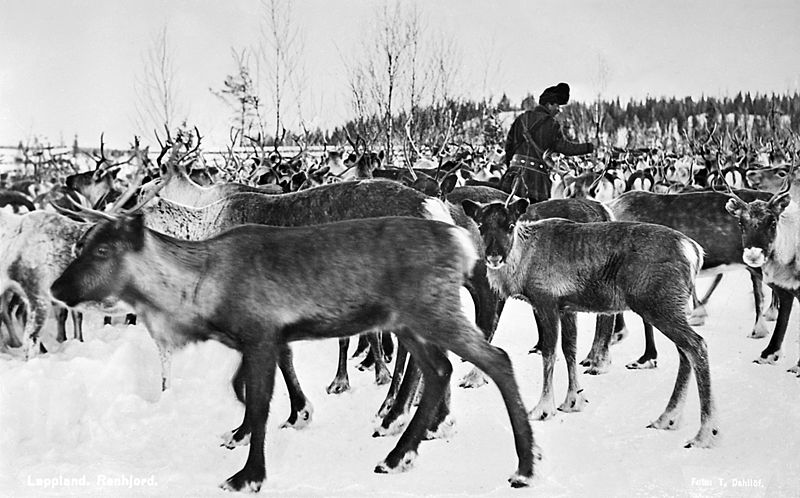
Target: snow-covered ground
[(90, 419)]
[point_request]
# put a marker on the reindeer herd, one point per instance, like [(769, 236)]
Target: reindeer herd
[(256, 267)]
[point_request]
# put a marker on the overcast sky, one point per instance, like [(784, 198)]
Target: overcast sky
[(68, 67)]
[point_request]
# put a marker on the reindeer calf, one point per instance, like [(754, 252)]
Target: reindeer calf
[(255, 288), (563, 267)]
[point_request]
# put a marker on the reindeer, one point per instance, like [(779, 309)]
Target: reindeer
[(326, 203), (770, 179), (91, 187), (769, 238), (563, 267), (16, 201), (702, 217), (35, 248), (179, 187), (249, 289)]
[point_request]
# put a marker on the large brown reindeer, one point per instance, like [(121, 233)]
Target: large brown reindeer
[(771, 244), (702, 217), (326, 203), (563, 267), (256, 288)]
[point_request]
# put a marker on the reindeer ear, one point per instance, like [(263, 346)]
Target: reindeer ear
[(448, 184), (133, 226), (734, 207), (779, 203), (518, 207), (471, 208)]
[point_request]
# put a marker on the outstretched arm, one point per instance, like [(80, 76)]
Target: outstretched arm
[(561, 145)]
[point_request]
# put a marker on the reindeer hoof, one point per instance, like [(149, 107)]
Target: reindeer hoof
[(598, 368), (383, 378), (760, 330), (445, 430), (665, 422), (232, 439), (542, 413), (575, 402), (474, 379), (619, 336), (244, 481), (642, 364), (395, 427), (704, 439), (520, 481), (768, 359), (301, 419), (403, 465), (338, 386)]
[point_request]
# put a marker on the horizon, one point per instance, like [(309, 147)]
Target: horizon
[(68, 69)]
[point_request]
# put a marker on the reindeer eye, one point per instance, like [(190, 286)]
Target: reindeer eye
[(101, 251)]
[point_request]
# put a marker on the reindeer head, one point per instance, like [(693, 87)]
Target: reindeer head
[(496, 222), (758, 221), (98, 274)]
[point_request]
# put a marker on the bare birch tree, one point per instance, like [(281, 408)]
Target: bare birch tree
[(601, 83), (281, 54), (158, 103), (239, 92)]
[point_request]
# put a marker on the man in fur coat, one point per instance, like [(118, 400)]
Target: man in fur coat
[(532, 133)]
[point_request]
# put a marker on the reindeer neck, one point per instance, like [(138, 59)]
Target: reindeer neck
[(509, 279), (185, 222), (165, 274), (787, 235)]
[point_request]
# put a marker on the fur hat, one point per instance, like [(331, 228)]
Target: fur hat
[(558, 94)]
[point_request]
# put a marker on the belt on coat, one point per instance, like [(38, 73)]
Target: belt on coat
[(527, 162)]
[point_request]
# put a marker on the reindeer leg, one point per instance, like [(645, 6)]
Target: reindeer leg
[(77, 325), (382, 375), (301, 409), (620, 329), (497, 365), (437, 370), (259, 375), (760, 328), (397, 378), (649, 357), (772, 352), (361, 345), (396, 418), (12, 315), (341, 383), (599, 362), (604, 333), (475, 378), (38, 309), (388, 346), (575, 400), (165, 356), (546, 316), (61, 323)]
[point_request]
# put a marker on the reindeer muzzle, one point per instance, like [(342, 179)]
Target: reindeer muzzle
[(753, 257), (495, 261)]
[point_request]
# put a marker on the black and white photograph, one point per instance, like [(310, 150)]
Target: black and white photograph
[(399, 248)]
